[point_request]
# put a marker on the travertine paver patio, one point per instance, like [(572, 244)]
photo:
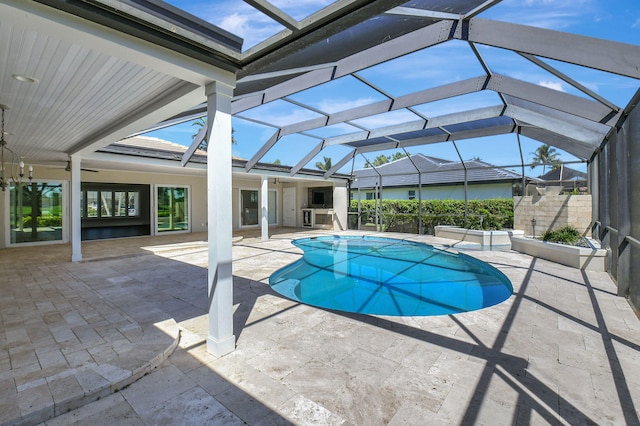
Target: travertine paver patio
[(563, 350)]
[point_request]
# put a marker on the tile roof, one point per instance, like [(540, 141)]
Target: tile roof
[(435, 171)]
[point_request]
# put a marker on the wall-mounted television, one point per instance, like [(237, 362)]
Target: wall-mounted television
[(321, 197)]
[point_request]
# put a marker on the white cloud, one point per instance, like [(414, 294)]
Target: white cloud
[(336, 105), (550, 14), (555, 85)]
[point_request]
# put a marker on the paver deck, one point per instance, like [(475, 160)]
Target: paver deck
[(564, 349)]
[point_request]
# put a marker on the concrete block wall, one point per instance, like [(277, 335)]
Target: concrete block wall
[(552, 212)]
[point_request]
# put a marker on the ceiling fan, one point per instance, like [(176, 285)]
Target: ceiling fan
[(68, 168)]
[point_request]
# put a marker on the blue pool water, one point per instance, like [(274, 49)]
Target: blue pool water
[(385, 276)]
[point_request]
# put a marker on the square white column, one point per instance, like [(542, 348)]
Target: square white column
[(264, 204), (76, 209), (221, 340)]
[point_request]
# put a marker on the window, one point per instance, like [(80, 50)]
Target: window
[(172, 209), (273, 208), (107, 204), (249, 207), (369, 195), (412, 194), (35, 212)]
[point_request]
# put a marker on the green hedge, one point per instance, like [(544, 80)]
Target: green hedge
[(402, 215), (43, 221)]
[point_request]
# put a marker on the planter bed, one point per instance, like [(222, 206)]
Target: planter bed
[(591, 259), (488, 240)]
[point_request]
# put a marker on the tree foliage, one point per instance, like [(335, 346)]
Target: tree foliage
[(384, 159), (545, 155), (326, 165), (202, 122)]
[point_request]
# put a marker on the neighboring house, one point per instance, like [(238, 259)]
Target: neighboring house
[(570, 179), (440, 180), (138, 186)]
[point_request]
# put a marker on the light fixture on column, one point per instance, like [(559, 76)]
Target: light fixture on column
[(11, 166)]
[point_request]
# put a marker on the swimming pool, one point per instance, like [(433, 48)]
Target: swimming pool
[(387, 276)]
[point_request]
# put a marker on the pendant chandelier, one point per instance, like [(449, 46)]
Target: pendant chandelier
[(11, 166)]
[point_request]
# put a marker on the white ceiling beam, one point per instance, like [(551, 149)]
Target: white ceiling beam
[(184, 96), (69, 28)]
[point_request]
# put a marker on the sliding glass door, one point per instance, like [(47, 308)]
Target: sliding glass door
[(36, 212), (172, 209), (250, 207)]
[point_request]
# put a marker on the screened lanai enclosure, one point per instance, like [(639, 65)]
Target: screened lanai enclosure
[(493, 87), (331, 84)]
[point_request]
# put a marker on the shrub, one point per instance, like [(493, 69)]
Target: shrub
[(402, 215), (565, 235)]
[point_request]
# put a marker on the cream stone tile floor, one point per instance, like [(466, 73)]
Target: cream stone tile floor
[(564, 349)]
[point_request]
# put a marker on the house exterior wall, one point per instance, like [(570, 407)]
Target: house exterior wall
[(446, 192), (197, 195)]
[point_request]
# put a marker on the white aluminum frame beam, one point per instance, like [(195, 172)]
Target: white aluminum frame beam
[(590, 52), (422, 13), (573, 147), (336, 17), (340, 164), (194, 146), (555, 125), (414, 41), (551, 98), (562, 76)]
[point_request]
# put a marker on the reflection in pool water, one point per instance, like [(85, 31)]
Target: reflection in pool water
[(387, 276)]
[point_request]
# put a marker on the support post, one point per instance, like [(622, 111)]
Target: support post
[(76, 219), (264, 207), (220, 340), (420, 230)]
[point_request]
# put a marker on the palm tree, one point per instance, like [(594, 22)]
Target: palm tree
[(202, 122), (545, 155), (324, 166), (398, 155), (380, 160)]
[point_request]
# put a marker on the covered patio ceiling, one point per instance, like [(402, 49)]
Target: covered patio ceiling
[(109, 69)]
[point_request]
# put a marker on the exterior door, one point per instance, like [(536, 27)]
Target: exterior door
[(289, 207)]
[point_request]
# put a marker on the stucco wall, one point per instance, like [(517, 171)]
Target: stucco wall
[(197, 194), (552, 212)]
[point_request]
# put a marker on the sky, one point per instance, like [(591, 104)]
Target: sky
[(617, 20)]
